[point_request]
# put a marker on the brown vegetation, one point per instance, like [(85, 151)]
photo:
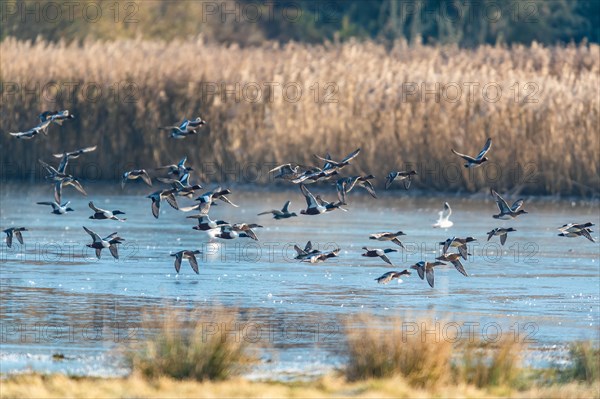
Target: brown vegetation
[(190, 345), (549, 146)]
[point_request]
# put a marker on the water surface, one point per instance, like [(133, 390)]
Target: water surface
[(57, 298)]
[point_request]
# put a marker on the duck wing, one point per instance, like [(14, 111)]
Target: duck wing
[(78, 187), (407, 182), (17, 234), (429, 275), (463, 156), (502, 205), (62, 166), (178, 257), (584, 232), (146, 178), (311, 201), (459, 267), (299, 250), (94, 208), (420, 270), (250, 233), (369, 187), (272, 212), (517, 205), (395, 240), (114, 251), (503, 238), (95, 237), (351, 156), (286, 207), (485, 149), (49, 169), (193, 263), (171, 200), (385, 278), (155, 207), (386, 259), (58, 192), (225, 199), (447, 244), (389, 179), (463, 251), (341, 191)]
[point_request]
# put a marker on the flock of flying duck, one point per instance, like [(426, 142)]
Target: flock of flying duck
[(177, 177)]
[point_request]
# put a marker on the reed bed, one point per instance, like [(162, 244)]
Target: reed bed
[(354, 94)]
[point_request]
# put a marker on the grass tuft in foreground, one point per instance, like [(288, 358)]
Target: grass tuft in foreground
[(585, 363), (381, 353), (190, 345), (419, 352)]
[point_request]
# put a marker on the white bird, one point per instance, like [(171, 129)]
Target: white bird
[(443, 221)]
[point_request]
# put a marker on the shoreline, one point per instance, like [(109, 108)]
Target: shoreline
[(45, 386), (281, 187)]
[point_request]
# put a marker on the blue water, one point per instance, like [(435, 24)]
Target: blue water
[(57, 298)]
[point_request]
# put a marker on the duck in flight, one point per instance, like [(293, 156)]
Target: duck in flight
[(158, 196), (134, 175), (178, 170), (185, 128), (460, 243), (376, 252), (307, 252), (229, 233), (41, 128), (46, 118), (425, 270), (58, 209), (577, 230), (389, 276), (501, 232), (322, 257), (109, 242), (479, 159), (65, 157), (216, 194), (58, 117), (346, 184), (14, 232), (246, 228), (404, 176), (102, 214), (190, 256), (284, 213), (506, 212), (61, 179), (286, 172), (329, 163), (316, 205), (455, 260), (387, 236), (182, 187), (444, 221), (206, 224), (314, 175)]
